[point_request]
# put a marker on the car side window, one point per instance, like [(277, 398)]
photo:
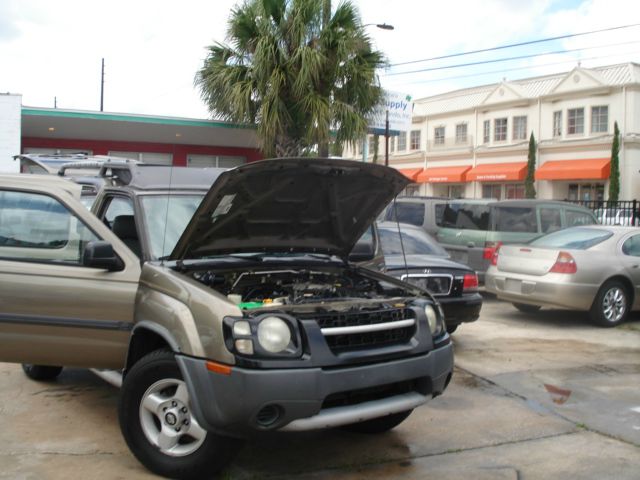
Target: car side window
[(631, 246), (577, 218), (550, 220), (37, 227), (405, 212), (516, 219), (117, 206), (465, 216)]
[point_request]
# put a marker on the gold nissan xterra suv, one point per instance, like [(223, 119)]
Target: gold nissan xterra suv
[(223, 302)]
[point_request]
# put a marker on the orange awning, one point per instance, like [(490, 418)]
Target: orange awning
[(591, 169), (410, 173), (444, 174), (495, 172)]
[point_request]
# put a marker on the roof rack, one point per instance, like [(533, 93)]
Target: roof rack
[(93, 165)]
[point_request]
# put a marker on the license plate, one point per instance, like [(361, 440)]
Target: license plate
[(512, 285), (458, 256)]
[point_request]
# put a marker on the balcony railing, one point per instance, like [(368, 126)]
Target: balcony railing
[(450, 142)]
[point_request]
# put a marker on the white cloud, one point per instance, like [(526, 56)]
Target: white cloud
[(152, 49)]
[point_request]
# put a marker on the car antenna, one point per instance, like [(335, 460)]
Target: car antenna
[(404, 256)]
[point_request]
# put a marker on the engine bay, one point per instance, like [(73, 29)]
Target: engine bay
[(291, 286)]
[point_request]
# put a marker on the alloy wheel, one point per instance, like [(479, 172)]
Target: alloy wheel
[(614, 304), (167, 421)]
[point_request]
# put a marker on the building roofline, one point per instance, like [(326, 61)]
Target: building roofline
[(479, 88), (128, 117)]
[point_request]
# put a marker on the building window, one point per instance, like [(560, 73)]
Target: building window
[(599, 119), (456, 191), (438, 135), (557, 123), (492, 190), (520, 128), (513, 190), (415, 140), (486, 131), (586, 191), (402, 141), (500, 129), (575, 121), (461, 133)]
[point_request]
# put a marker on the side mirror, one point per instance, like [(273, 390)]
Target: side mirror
[(101, 255), (362, 252)]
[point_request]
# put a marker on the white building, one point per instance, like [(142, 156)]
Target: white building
[(10, 131), (474, 142)]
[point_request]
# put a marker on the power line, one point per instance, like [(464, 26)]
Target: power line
[(497, 60), (528, 67), (501, 47)]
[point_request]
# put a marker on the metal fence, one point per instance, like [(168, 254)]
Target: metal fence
[(621, 212)]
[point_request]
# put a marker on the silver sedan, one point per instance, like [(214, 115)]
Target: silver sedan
[(593, 268)]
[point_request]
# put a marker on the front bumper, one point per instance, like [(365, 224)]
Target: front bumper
[(235, 404), (463, 309)]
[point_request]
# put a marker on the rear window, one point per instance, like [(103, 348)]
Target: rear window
[(572, 238), (414, 242), (405, 212), (576, 218), (515, 219), (465, 216)]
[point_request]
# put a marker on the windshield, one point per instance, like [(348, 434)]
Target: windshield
[(573, 238), (414, 241), (174, 211)]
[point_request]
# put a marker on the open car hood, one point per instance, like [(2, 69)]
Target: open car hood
[(289, 205)]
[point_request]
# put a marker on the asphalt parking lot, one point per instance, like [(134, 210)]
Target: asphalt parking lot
[(541, 395)]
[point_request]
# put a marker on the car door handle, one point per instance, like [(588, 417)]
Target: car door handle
[(471, 245), (635, 266)]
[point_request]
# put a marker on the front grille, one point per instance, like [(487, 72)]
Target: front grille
[(438, 285), (357, 339)]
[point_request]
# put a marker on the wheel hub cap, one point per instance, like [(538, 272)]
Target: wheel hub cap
[(614, 305), (166, 419)]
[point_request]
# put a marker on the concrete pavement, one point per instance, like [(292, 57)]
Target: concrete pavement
[(541, 395)]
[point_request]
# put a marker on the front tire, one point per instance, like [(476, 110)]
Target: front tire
[(158, 425), (41, 373), (378, 425), (525, 308), (611, 305), (452, 328)]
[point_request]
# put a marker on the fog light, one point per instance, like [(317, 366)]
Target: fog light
[(244, 346), (268, 415)]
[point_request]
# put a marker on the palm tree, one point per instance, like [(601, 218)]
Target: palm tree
[(303, 81)]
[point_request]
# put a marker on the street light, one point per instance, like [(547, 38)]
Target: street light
[(382, 26)]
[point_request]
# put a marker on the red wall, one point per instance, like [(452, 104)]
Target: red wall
[(179, 151)]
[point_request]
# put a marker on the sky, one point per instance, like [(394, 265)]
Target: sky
[(52, 50)]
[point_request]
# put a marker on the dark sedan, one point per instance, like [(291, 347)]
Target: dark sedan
[(420, 260)]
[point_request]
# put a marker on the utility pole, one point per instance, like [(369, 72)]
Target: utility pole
[(102, 88), (386, 139)]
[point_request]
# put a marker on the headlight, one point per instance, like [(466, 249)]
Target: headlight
[(266, 336), (436, 322), (274, 334)]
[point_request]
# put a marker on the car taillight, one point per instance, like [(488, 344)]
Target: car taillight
[(494, 257), (565, 263), (490, 249), (470, 282)]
